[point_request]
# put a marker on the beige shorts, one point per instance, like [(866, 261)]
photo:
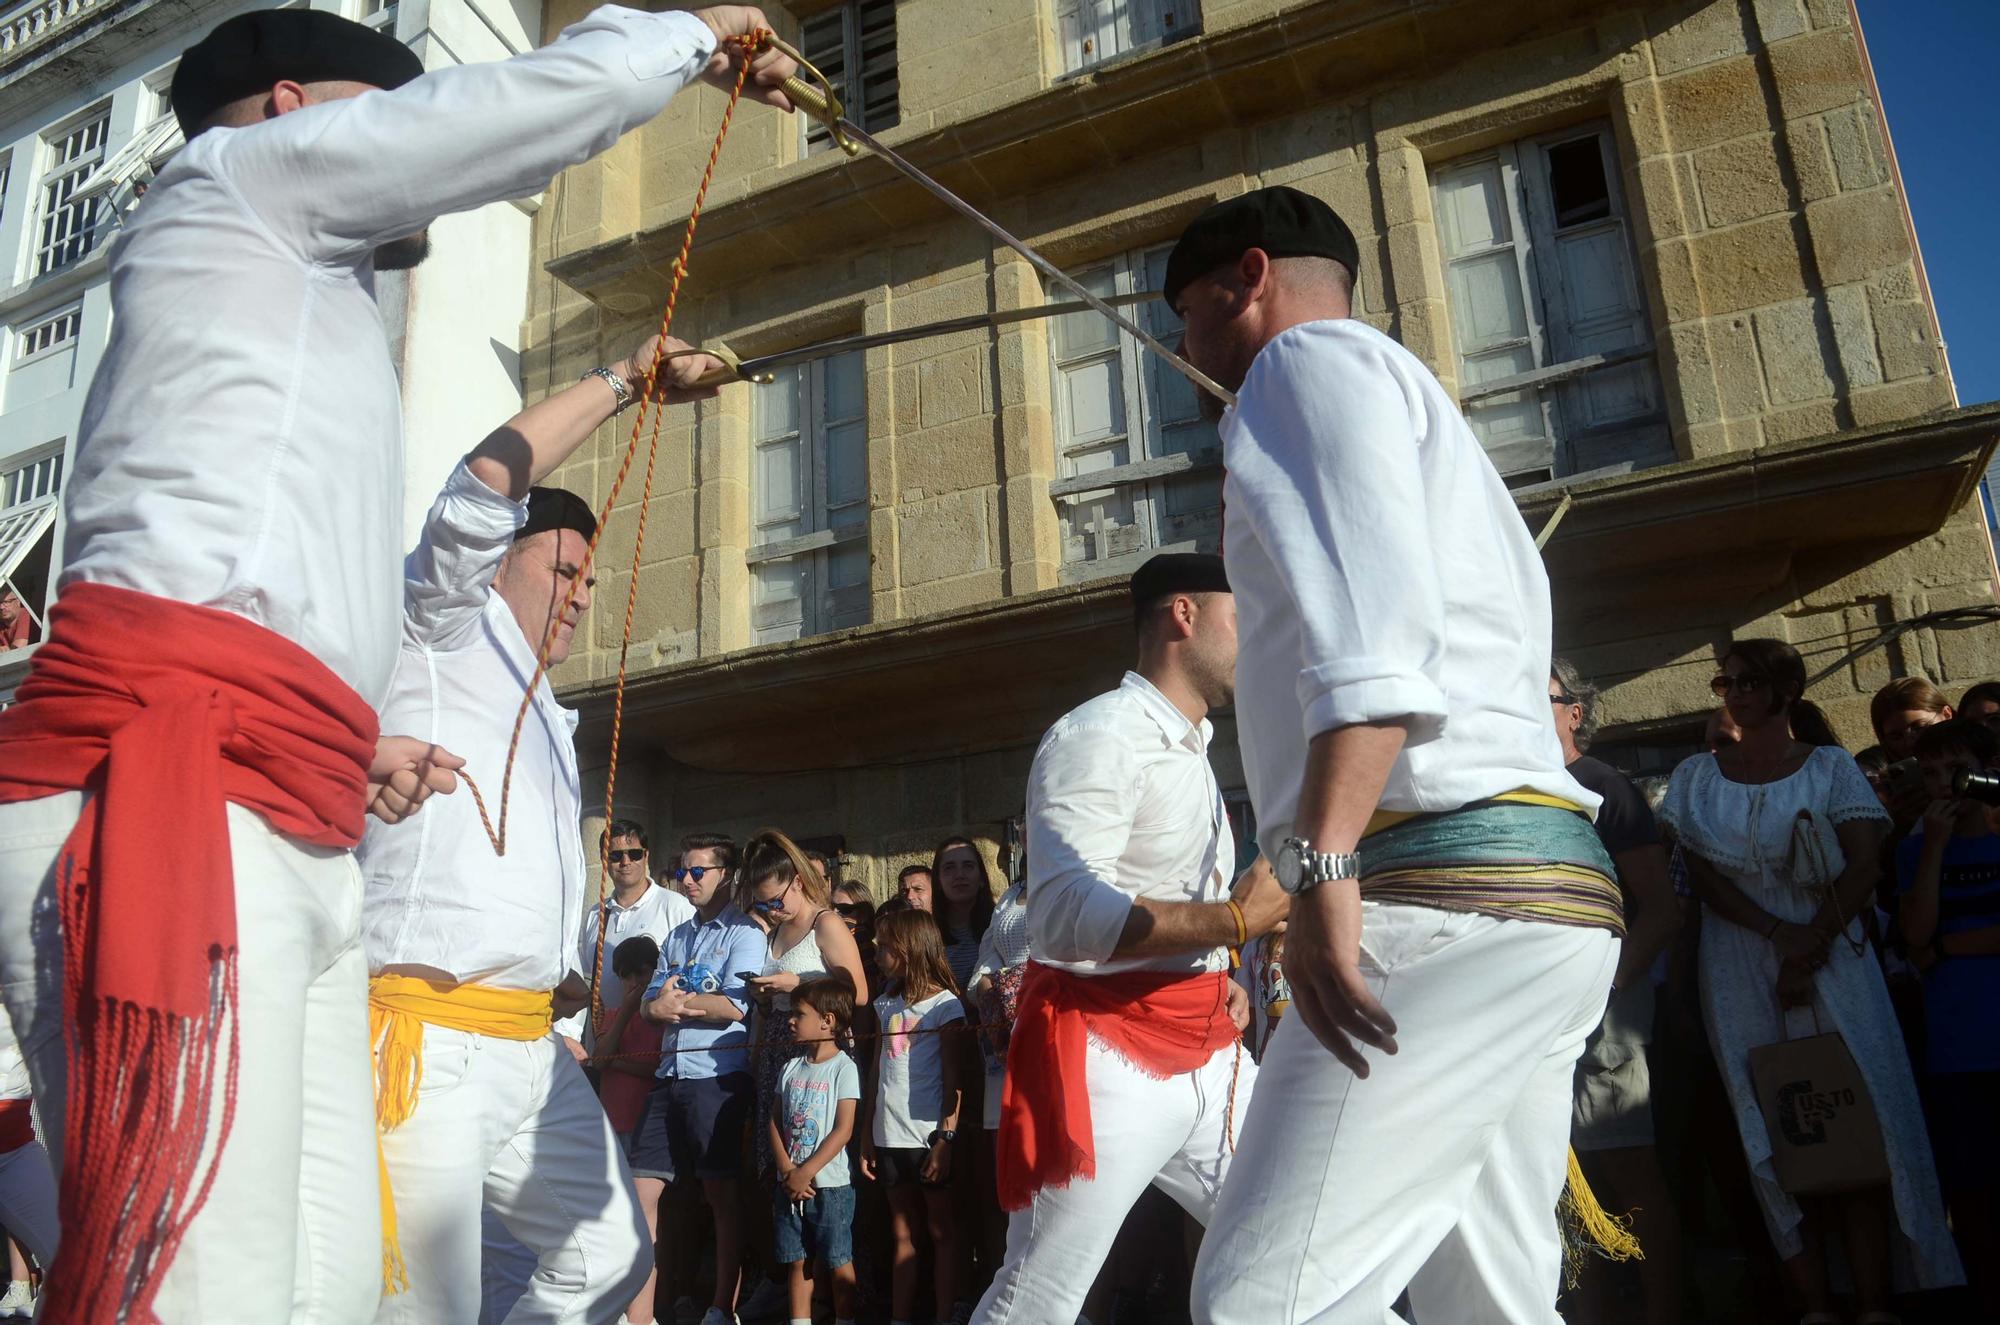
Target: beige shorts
[(1613, 1104)]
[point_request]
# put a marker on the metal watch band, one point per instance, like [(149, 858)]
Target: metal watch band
[(615, 382)]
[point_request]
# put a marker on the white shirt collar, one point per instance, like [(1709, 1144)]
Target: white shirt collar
[(1163, 711)]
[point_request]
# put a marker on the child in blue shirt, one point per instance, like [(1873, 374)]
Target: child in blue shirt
[(1948, 875), (811, 1122)]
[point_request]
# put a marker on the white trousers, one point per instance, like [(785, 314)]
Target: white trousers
[(514, 1127), (28, 1201), (1441, 1171), (1168, 1133), (291, 1230)]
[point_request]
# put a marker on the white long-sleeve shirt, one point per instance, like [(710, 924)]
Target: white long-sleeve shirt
[(241, 447), (437, 897), (1381, 572), (1122, 804)]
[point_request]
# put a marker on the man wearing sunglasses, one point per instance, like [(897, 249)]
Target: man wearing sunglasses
[(704, 1093), (636, 906)]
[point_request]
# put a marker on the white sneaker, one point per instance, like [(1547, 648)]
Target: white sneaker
[(769, 1299), (717, 1316), (20, 1299)]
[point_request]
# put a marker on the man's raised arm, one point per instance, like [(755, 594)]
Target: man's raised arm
[(340, 178)]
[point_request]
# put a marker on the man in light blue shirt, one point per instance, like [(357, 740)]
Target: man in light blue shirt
[(704, 1094)]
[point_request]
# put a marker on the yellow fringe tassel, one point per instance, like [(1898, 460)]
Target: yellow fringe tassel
[(399, 1007), (1587, 1229)]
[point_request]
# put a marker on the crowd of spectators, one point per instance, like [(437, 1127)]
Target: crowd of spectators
[(808, 1083)]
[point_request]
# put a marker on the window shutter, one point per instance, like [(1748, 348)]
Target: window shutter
[(1191, 505), (1492, 319), (780, 496), (1592, 301), (876, 99), (843, 491), (1090, 405)]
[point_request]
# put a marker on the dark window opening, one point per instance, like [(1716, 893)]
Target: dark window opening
[(1578, 191)]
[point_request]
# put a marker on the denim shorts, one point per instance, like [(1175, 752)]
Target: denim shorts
[(820, 1230)]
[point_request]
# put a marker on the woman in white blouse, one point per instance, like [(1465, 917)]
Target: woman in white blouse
[(1783, 960)]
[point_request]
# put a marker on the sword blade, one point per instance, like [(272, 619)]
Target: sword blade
[(1040, 263), (826, 349)]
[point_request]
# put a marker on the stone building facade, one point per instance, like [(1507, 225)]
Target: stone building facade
[(1658, 250)]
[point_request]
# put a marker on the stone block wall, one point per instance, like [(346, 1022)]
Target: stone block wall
[(1771, 246)]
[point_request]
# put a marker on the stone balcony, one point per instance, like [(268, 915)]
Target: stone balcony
[(39, 22)]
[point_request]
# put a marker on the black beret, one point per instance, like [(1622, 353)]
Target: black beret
[(1284, 222), (1172, 573), (557, 508), (252, 51)]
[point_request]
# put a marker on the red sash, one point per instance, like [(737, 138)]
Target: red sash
[(1161, 1022), (167, 713)]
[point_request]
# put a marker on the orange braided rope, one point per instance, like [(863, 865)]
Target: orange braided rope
[(748, 46)]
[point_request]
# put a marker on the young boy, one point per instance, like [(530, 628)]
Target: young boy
[(811, 1122), (1949, 877)]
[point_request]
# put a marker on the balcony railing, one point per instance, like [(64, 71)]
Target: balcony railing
[(27, 26)]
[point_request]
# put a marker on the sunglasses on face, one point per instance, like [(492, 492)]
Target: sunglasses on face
[(1564, 697), (695, 872), (770, 904), (624, 855), (1747, 684)]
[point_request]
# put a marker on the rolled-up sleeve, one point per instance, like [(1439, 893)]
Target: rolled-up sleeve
[(446, 578), (1324, 457), (1083, 793)]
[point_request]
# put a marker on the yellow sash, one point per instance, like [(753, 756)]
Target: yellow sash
[(399, 1006)]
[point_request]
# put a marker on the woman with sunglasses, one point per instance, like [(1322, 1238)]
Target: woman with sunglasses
[(778, 887), (1784, 957)]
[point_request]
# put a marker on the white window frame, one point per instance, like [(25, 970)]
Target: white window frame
[(863, 81), (30, 504), (1143, 478), (61, 219), (1549, 385), (51, 331), (32, 476), (377, 14), (807, 538), (1092, 32)]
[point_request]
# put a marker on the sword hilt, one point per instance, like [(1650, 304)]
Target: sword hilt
[(816, 98), (730, 371)]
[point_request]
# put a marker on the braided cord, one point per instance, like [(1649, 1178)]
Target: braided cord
[(748, 46)]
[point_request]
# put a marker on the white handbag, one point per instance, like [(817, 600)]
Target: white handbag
[(1815, 859)]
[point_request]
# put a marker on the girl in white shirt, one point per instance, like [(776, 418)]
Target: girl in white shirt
[(912, 1098)]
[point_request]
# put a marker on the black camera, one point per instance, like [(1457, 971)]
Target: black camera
[(1976, 784)]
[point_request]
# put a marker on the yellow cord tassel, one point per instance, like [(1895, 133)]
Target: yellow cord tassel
[(1587, 1229)]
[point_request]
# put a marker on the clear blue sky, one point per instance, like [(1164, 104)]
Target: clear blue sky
[(1938, 65)]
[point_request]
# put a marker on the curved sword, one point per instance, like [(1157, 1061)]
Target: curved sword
[(760, 368), (823, 104)]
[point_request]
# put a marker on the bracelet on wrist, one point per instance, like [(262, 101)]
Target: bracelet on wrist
[(1242, 926)]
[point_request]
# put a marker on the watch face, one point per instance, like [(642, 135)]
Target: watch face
[(1289, 867)]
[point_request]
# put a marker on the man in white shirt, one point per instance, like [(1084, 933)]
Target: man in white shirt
[(637, 905), (1396, 628), (1130, 914), (467, 949), (241, 455)]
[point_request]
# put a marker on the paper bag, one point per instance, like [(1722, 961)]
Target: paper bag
[(1825, 1136)]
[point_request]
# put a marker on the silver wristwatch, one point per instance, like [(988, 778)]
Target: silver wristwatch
[(1299, 867), (615, 382)]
